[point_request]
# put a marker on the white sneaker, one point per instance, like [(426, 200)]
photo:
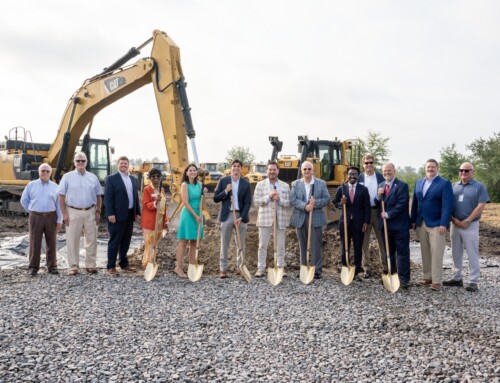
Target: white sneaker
[(259, 273)]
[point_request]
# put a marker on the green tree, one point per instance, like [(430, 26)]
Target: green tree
[(377, 146), (241, 153), (486, 161), (409, 175), (450, 161)]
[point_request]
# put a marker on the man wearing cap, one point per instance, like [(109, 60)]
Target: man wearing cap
[(470, 199), (39, 198), (80, 200)]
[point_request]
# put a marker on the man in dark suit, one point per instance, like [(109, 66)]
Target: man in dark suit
[(396, 199), (431, 210), (122, 208), (228, 186), (356, 200), (371, 179)]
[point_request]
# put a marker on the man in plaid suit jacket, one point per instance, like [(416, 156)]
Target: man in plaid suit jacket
[(269, 194), (303, 205)]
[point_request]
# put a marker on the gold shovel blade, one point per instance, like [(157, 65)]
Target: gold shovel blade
[(195, 272), (275, 275), (150, 271), (391, 282), (347, 274), (307, 274), (246, 274)]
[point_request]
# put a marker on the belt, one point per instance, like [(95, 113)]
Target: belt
[(374, 207), (47, 214), (236, 211), (82, 208)]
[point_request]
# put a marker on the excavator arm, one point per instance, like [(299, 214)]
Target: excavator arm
[(163, 70)]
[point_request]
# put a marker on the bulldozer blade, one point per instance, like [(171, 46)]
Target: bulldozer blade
[(391, 282)]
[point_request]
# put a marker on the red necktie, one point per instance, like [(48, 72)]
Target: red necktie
[(387, 189), (351, 194)]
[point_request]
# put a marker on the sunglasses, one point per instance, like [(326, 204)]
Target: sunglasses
[(45, 171), (81, 161), (369, 163), (307, 169), (465, 170)]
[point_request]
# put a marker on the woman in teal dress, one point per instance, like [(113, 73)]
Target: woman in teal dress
[(187, 233)]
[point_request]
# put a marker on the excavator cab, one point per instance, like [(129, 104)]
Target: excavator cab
[(99, 157)]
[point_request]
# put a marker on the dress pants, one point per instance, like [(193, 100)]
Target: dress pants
[(468, 239), (81, 221), (316, 241), (399, 250), (356, 236), (265, 233), (369, 262), (432, 245), (227, 228), (120, 234), (38, 226)]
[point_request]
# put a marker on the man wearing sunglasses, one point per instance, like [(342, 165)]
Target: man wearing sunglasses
[(309, 195), (470, 199), (80, 200), (371, 179), (39, 198), (431, 209)]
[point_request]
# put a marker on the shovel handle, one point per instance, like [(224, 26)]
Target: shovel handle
[(309, 227), (388, 257), (346, 249)]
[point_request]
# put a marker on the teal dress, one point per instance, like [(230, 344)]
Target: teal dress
[(188, 227)]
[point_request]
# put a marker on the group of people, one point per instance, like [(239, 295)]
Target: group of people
[(367, 199)]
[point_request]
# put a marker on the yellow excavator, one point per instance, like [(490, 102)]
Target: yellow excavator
[(19, 159), (330, 161)]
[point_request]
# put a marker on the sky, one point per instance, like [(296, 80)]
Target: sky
[(425, 74)]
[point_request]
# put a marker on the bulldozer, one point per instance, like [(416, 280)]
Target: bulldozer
[(211, 173), (141, 172), (330, 160)]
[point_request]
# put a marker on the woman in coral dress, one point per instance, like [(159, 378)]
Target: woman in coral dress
[(153, 210), (191, 191)]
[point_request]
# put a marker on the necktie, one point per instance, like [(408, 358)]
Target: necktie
[(351, 194), (387, 188)]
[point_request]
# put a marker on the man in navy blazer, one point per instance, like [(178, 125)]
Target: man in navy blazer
[(431, 210), (396, 199), (228, 186), (358, 211), (121, 201), (371, 179)]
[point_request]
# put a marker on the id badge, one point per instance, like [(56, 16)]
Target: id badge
[(461, 198)]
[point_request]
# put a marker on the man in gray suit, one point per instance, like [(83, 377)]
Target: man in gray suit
[(304, 203)]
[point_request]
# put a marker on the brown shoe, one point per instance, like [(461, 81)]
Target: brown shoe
[(112, 272), (436, 286), (424, 282), (128, 269), (223, 275), (73, 272), (91, 270)]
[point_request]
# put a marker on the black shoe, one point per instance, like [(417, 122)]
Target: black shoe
[(53, 271), (472, 287), (367, 275), (404, 285), (357, 277), (32, 272), (453, 282), (317, 276)]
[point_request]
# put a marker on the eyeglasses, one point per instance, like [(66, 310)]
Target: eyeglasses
[(81, 161), (45, 171), (369, 163), (465, 170), (307, 169)]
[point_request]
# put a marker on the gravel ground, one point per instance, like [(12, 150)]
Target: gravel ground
[(100, 329)]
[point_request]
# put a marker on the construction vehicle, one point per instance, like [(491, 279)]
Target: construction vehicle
[(330, 161), (19, 160), (141, 172), (256, 173), (212, 174)]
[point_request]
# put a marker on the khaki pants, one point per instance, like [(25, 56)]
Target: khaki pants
[(264, 236), (81, 221), (369, 262), (432, 245)]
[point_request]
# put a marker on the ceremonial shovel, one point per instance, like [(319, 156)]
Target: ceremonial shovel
[(347, 272), (391, 281), (275, 274), (307, 271), (240, 254), (196, 270)]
